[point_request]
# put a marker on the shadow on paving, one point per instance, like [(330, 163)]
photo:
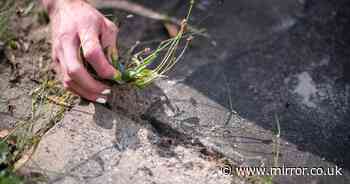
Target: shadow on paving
[(299, 71), (288, 59)]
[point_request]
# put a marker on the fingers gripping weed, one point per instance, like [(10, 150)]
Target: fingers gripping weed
[(137, 71)]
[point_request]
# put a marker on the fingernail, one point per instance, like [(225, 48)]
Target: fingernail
[(101, 100), (106, 92)]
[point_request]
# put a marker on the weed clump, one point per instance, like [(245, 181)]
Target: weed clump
[(49, 103), (137, 71)]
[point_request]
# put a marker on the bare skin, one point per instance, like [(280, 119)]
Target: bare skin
[(75, 23)]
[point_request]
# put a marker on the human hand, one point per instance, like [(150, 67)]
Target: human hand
[(75, 23)]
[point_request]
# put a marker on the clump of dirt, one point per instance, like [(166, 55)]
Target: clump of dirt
[(134, 102)]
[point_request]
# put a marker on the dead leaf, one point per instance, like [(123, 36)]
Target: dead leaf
[(24, 159), (172, 29), (4, 133)]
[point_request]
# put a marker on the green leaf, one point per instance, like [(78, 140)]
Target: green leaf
[(146, 62), (8, 177), (145, 77), (145, 73)]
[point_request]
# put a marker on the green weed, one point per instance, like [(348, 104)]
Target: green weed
[(49, 103), (137, 71)]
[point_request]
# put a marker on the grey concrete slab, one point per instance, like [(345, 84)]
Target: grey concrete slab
[(95, 145), (284, 58)]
